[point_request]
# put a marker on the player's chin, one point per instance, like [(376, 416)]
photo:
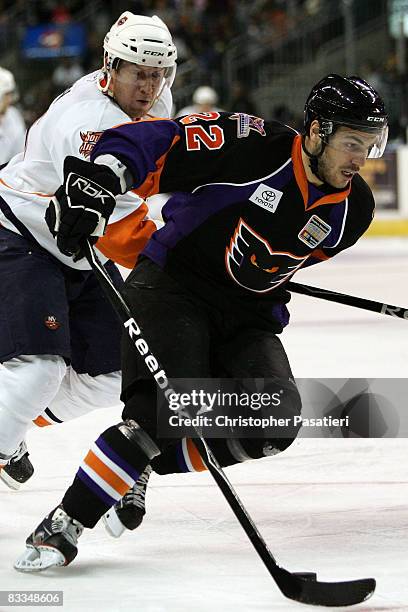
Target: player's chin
[(139, 110), (340, 181), (143, 105)]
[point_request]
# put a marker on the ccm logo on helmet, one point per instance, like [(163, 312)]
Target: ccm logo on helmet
[(90, 189), (378, 119), (153, 53)]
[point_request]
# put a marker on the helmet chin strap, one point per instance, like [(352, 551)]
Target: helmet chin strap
[(314, 159), (159, 93)]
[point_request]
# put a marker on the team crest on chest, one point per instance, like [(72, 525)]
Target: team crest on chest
[(252, 263), (314, 232), (89, 140)]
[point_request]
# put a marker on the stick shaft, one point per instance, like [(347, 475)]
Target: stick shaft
[(349, 300)]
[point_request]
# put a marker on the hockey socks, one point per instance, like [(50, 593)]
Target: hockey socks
[(111, 467)]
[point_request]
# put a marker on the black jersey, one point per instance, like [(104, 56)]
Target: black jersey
[(242, 218)]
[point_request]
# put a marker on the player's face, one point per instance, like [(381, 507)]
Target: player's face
[(344, 155), (135, 87)]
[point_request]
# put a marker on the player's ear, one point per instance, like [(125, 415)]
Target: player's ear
[(314, 130), (314, 141)]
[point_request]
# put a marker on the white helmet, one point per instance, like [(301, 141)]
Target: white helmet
[(205, 95), (140, 40), (7, 82)]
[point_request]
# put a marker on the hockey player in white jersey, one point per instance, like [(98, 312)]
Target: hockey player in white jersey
[(12, 125), (59, 338)]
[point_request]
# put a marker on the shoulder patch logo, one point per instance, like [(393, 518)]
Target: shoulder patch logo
[(314, 232), (246, 123), (89, 140), (266, 197)]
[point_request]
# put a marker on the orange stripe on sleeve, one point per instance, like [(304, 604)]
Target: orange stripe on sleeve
[(41, 422), (195, 457), (125, 239), (106, 473), (150, 185)]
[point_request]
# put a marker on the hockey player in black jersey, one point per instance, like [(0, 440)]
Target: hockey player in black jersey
[(252, 203)]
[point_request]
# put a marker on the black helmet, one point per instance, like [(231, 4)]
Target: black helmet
[(348, 101)]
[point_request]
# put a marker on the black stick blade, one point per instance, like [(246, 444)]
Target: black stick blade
[(305, 589)]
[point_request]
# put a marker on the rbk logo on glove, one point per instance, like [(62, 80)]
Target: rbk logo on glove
[(88, 187), (82, 206)]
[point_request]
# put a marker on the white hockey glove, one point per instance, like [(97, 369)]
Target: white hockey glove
[(82, 206)]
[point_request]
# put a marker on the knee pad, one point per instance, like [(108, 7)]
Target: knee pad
[(274, 438), (281, 427)]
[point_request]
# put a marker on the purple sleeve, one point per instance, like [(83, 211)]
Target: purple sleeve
[(139, 145)]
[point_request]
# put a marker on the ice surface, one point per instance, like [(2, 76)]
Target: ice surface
[(337, 507)]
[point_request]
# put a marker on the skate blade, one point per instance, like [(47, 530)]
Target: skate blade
[(10, 482), (39, 559), (112, 524)]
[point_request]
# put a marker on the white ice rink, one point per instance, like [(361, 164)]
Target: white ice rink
[(337, 507)]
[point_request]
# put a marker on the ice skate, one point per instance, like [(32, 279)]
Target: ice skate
[(19, 468), (128, 513), (53, 543)]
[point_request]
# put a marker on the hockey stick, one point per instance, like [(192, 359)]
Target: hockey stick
[(301, 587), (349, 300)]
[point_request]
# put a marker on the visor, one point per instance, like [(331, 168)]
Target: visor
[(370, 142)]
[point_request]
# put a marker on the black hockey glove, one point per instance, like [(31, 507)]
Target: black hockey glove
[(82, 206)]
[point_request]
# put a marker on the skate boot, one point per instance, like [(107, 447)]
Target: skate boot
[(128, 513), (52, 543), (18, 469)]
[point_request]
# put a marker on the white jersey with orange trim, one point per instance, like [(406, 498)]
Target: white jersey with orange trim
[(71, 126), (12, 134)]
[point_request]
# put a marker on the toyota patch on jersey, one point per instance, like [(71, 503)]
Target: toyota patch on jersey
[(314, 232), (266, 197)]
